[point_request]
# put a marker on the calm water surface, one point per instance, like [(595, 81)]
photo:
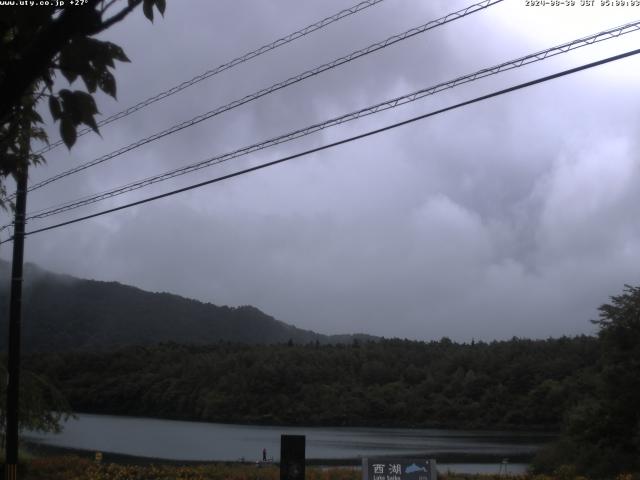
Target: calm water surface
[(177, 440)]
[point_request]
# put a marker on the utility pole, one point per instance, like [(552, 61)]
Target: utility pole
[(15, 317)]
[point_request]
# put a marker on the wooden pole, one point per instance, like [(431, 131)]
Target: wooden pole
[(15, 317)]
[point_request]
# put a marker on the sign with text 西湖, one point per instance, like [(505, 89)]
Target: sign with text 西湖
[(390, 468)]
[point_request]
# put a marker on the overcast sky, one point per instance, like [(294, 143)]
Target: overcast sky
[(517, 216)]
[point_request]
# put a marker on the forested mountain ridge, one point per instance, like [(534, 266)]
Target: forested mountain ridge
[(62, 313)]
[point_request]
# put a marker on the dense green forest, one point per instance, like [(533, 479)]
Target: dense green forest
[(64, 313), (512, 384)]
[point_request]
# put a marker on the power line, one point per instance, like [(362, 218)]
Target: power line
[(382, 106), (340, 142), (265, 91), (225, 66)]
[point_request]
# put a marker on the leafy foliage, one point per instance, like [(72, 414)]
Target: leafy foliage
[(513, 384), (35, 45), (42, 406), (602, 432)]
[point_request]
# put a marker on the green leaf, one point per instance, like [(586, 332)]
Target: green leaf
[(39, 134), (35, 117), (78, 107), (86, 106), (90, 79), (69, 75), (36, 159), (74, 60), (161, 5), (147, 9), (48, 80), (117, 52), (91, 122), (54, 107), (100, 53), (68, 132), (70, 107), (64, 94), (107, 84), (66, 101), (85, 102)]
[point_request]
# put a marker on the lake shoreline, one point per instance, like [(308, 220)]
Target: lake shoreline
[(46, 450), (136, 441)]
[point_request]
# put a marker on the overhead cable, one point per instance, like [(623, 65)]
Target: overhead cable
[(265, 91), (379, 107), (340, 142), (225, 66)]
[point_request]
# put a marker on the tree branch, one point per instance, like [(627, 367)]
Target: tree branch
[(107, 6), (121, 14)]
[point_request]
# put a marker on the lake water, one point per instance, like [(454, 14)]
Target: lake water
[(177, 440)]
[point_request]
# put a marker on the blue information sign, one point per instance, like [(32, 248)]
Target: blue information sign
[(392, 468)]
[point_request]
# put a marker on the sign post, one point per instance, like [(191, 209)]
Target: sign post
[(392, 468), (292, 457)]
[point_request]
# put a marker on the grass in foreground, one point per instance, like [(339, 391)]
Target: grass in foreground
[(77, 468)]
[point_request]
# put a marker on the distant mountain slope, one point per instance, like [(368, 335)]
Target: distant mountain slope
[(61, 313)]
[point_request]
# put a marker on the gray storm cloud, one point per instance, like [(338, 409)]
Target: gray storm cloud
[(511, 217)]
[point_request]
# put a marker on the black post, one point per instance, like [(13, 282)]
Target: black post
[(15, 314), (292, 457)]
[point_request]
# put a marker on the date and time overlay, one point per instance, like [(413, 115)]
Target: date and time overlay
[(525, 3)]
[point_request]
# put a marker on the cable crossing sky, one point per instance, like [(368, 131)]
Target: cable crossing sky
[(379, 107), (225, 66), (346, 140), (450, 17)]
